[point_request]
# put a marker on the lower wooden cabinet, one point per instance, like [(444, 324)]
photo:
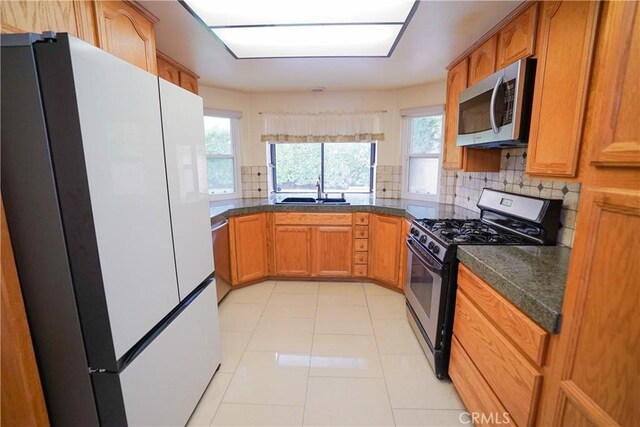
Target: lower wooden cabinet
[(292, 250), (385, 251), (249, 248), (332, 251), (496, 355)]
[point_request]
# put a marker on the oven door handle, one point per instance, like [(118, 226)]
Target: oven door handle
[(427, 263)]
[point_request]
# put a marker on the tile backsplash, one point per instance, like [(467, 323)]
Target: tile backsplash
[(388, 182), (254, 182), (467, 187)]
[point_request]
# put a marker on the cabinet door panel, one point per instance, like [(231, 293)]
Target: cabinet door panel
[(482, 62), (292, 250), (565, 47), (250, 247), (456, 82), (126, 33), (517, 39), (168, 72), (333, 251), (616, 135), (385, 249), (188, 82)]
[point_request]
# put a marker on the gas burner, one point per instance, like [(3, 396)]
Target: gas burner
[(471, 232)]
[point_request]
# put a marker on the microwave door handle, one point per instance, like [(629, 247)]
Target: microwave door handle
[(492, 107)]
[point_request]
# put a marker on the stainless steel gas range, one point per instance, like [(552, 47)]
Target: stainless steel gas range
[(505, 219)]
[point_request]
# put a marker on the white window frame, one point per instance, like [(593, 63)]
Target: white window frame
[(236, 129), (407, 115)]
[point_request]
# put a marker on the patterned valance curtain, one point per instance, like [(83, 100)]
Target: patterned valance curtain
[(322, 127)]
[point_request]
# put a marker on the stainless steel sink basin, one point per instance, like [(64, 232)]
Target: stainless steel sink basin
[(312, 201)]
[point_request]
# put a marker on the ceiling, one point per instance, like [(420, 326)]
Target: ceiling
[(437, 34)]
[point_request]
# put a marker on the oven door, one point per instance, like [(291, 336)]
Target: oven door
[(425, 291)]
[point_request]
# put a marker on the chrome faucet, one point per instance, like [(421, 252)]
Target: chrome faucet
[(319, 187)]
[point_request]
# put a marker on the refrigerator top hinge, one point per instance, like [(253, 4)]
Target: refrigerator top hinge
[(97, 371)]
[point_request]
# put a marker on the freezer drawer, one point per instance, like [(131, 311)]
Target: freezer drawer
[(164, 383)]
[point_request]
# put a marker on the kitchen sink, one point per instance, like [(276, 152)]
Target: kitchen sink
[(312, 201)]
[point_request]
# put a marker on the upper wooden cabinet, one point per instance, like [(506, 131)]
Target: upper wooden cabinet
[(176, 73), (168, 71), (516, 40), (332, 255), (482, 62), (385, 251), (615, 98), (456, 82), (128, 32), (73, 17), (248, 248), (454, 157), (565, 49)]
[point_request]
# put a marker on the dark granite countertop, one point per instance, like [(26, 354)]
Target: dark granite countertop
[(358, 203), (533, 278)]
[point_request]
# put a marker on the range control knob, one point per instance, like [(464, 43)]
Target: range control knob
[(436, 249), (414, 231), (423, 239), (431, 245)]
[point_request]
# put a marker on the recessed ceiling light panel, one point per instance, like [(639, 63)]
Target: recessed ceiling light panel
[(222, 13), (305, 28), (309, 41)]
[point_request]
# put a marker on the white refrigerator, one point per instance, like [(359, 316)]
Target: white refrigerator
[(103, 174)]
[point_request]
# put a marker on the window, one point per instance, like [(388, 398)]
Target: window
[(345, 167), (422, 136), (221, 134)]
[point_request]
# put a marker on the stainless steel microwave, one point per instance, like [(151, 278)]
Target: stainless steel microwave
[(496, 111)]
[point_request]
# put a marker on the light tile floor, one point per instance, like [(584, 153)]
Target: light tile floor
[(322, 354)]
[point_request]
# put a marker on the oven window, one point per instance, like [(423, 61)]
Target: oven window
[(422, 285)]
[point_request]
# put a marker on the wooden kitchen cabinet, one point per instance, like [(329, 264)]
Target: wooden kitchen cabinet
[(454, 157), (385, 251), (73, 17), (292, 250), (566, 39), (127, 31), (517, 39), (456, 82), (249, 248), (497, 352), (592, 382), (482, 61), (176, 73), (332, 251)]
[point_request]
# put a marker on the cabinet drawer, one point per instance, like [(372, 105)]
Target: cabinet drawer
[(513, 323), (360, 270), (362, 218), (361, 257), (296, 218), (362, 232), (472, 387), (361, 245), (514, 380)]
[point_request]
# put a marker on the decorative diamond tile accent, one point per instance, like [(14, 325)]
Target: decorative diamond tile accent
[(540, 187), (259, 189), (504, 182), (508, 155), (564, 190), (485, 179), (259, 174), (521, 184), (470, 177), (524, 155), (384, 190), (468, 198)]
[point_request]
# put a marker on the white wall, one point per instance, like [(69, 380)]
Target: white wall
[(253, 150)]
